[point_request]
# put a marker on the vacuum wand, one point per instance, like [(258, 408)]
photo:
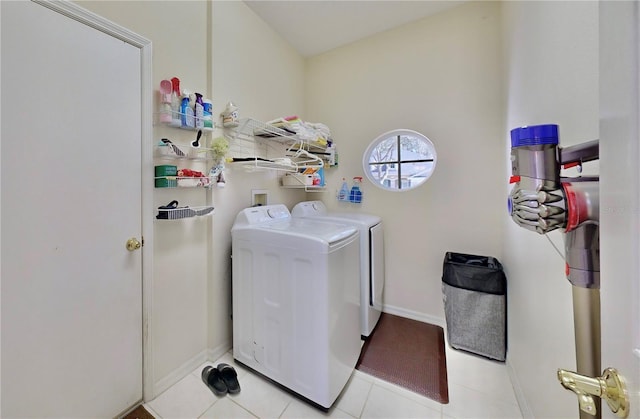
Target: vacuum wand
[(542, 201)]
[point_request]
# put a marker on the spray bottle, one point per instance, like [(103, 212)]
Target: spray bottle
[(176, 121), (355, 195), (343, 195), (186, 111)]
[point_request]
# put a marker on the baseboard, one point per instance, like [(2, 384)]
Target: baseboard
[(179, 373), (218, 351), (207, 355), (522, 401), (413, 315)]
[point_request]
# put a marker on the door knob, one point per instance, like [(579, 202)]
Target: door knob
[(133, 244), (610, 387)]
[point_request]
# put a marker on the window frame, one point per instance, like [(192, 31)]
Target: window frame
[(399, 161)]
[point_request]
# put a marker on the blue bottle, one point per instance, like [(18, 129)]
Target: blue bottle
[(343, 195), (355, 195), (184, 106), (186, 112), (321, 175)]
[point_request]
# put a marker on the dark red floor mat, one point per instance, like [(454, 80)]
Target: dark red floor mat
[(408, 353)]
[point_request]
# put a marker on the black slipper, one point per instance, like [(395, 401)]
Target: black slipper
[(213, 379), (230, 378)]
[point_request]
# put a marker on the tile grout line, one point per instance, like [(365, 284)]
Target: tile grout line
[(285, 408), (366, 400), (246, 409)]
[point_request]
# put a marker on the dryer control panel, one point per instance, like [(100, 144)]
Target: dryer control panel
[(262, 214)]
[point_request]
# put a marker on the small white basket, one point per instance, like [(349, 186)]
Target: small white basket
[(297, 179)]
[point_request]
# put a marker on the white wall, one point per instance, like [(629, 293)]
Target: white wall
[(256, 70), (551, 59), (440, 76)]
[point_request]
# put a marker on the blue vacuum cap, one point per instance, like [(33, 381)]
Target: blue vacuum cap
[(534, 135)]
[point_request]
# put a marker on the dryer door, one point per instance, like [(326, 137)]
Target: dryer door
[(377, 265)]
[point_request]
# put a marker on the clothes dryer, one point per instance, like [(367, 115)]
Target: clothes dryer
[(296, 300), (371, 256)]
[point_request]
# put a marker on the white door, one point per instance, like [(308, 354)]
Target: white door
[(620, 194), (71, 197)]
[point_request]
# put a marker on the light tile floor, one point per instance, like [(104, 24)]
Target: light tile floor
[(478, 388)]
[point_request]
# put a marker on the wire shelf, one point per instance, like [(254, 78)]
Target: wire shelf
[(186, 153), (182, 182), (251, 128), (254, 145), (165, 119)]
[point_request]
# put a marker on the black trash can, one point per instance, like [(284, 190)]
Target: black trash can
[(474, 292)]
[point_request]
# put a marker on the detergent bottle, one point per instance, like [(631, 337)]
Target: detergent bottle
[(355, 195), (343, 195)]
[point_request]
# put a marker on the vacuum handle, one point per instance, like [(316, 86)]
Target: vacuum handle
[(580, 153)]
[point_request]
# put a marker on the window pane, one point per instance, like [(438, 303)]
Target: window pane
[(377, 171), (388, 174), (413, 148), (414, 174), (386, 151)]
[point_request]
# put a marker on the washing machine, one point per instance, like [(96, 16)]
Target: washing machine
[(371, 257), (296, 300)]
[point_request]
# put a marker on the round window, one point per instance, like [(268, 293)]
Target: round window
[(399, 160)]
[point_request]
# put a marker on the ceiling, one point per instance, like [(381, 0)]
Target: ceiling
[(313, 27)]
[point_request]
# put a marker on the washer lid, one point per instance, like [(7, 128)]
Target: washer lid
[(365, 219), (328, 232), (317, 210)]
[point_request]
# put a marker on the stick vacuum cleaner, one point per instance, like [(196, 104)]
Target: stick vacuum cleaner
[(542, 201)]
